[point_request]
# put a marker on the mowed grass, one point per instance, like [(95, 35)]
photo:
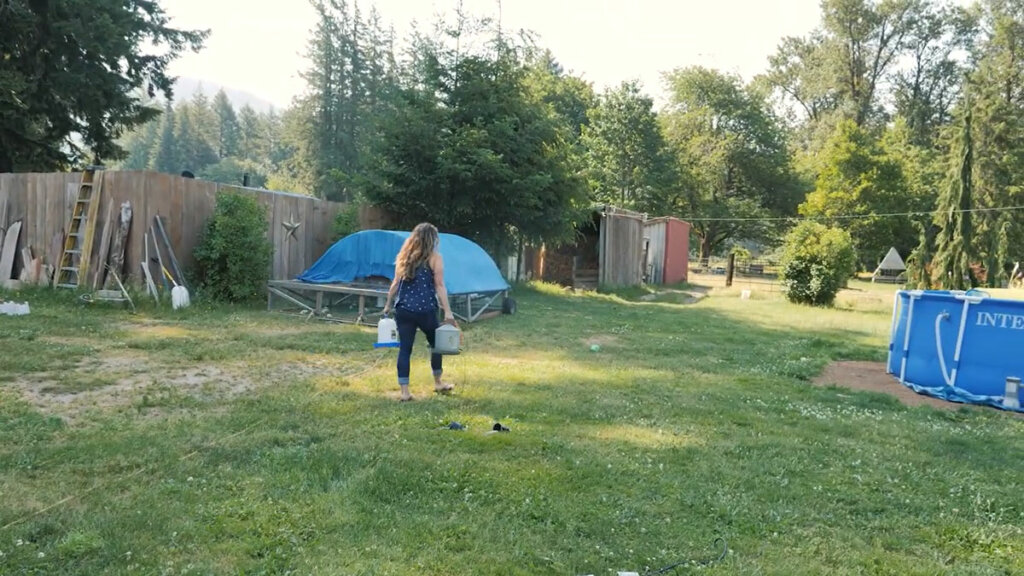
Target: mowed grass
[(232, 441)]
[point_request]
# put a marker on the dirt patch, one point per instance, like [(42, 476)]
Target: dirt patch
[(158, 330), (84, 341), (675, 296), (62, 396), (281, 330), (124, 379), (871, 376)]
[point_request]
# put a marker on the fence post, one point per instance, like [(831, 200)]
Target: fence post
[(729, 269)]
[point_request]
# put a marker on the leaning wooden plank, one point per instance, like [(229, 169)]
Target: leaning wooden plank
[(56, 247), (120, 242), (37, 275), (123, 291), (3, 221), (170, 251), (10, 246), (101, 268), (146, 269), (150, 286), (289, 297), (26, 266), (70, 197), (159, 261)]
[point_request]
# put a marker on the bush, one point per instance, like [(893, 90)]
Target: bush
[(233, 255), (346, 221), (742, 254), (817, 261)]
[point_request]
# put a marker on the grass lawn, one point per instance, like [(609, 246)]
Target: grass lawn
[(231, 441)]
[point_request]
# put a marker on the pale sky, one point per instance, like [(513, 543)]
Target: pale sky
[(258, 45)]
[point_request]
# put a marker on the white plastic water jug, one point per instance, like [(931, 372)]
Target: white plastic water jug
[(447, 339), (387, 333), (12, 309)]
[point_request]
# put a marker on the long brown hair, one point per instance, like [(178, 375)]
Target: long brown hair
[(417, 249)]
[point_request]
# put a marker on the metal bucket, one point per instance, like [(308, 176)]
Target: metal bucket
[(447, 339)]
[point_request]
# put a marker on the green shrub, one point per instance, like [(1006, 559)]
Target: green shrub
[(233, 255), (817, 261), (346, 221)]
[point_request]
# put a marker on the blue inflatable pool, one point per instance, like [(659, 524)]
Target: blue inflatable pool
[(958, 346)]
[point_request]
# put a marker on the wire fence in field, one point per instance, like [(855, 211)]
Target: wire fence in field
[(762, 273)]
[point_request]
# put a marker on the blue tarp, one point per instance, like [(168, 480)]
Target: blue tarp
[(467, 268)]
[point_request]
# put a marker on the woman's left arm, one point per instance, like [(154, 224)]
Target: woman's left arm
[(437, 265), (391, 294)]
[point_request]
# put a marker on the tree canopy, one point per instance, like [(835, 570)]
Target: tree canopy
[(76, 75), (482, 130)]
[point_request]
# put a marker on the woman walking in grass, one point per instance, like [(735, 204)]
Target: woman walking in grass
[(419, 286)]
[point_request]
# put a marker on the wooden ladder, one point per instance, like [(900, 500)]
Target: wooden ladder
[(74, 261)]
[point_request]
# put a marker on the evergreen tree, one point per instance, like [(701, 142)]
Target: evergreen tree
[(166, 157), (227, 126), (250, 134), (73, 76), (140, 144), (951, 268), (473, 150), (192, 136), (997, 88), (920, 259)]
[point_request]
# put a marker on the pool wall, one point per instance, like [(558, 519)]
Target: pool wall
[(957, 346)]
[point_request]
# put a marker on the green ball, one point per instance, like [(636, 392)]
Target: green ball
[(594, 348)]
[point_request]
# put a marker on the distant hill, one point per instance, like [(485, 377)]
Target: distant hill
[(187, 87)]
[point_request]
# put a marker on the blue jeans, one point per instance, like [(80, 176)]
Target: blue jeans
[(408, 323)]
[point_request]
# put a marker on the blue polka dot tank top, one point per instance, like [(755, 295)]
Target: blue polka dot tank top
[(418, 295)]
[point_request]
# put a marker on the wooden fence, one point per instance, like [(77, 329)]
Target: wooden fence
[(43, 203)]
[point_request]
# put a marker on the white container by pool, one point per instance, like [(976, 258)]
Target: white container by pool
[(14, 309)]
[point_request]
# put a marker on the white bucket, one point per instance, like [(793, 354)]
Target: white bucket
[(447, 339), (387, 333)]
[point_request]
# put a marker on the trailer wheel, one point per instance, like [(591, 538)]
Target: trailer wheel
[(508, 306)]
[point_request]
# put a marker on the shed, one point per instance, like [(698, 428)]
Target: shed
[(668, 250), (891, 269), (609, 251)]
